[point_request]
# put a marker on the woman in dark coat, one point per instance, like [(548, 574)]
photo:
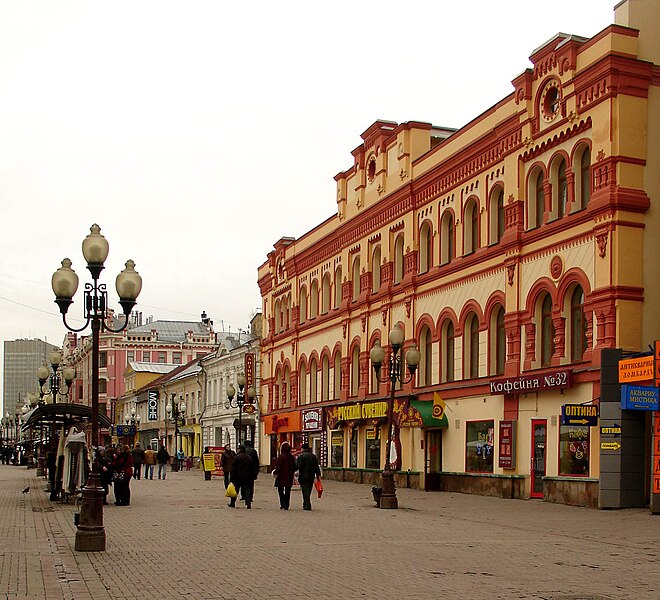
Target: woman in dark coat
[(123, 471), (105, 471), (284, 468), (242, 469)]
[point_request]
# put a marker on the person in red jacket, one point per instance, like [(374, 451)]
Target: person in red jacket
[(284, 468)]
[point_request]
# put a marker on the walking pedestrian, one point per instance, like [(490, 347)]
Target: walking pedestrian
[(226, 461), (138, 459), (123, 472), (242, 471), (285, 466), (308, 469), (163, 457), (252, 453), (149, 463), (180, 456), (105, 472)]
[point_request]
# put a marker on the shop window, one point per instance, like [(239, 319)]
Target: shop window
[(447, 240), (372, 449), (578, 329), (471, 227), (547, 331), (336, 388), (302, 303), (353, 449), (479, 438), (355, 371), (325, 294), (425, 374), (314, 300), (425, 248), (337, 449), (375, 270), (574, 450), (338, 287), (448, 351), (356, 278), (398, 259)]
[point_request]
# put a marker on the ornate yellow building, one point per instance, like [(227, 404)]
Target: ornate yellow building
[(512, 251)]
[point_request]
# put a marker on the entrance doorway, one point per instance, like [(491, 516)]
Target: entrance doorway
[(433, 459), (539, 431)]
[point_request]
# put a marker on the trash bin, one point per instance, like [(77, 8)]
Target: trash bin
[(76, 518), (377, 492)]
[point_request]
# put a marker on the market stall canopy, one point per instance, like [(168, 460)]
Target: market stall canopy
[(62, 414)]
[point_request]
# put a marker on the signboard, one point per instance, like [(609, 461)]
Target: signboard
[(656, 381), (249, 409), (152, 405), (636, 369), (615, 430), (610, 445), (531, 383), (125, 430), (579, 414), (507, 445), (639, 397), (213, 460), (312, 419)]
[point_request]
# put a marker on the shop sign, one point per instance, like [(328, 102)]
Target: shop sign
[(638, 397), (614, 430), (579, 414), (636, 369), (355, 412), (312, 419), (531, 383), (249, 370), (507, 443), (610, 445), (281, 422), (152, 405), (249, 409), (125, 430)]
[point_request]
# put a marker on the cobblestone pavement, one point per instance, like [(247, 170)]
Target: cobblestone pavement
[(178, 539)]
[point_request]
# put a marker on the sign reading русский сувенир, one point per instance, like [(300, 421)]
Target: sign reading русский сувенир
[(531, 383)]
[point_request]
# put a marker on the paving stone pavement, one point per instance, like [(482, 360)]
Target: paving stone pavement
[(178, 539)]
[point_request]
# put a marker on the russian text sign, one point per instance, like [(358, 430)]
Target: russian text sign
[(639, 397)]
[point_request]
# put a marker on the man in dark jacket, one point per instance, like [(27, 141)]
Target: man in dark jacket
[(252, 453), (226, 461), (308, 469), (163, 457), (138, 459), (242, 472)]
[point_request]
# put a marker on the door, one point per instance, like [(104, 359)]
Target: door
[(433, 459), (539, 429)]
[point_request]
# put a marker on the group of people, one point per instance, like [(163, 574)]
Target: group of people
[(120, 464), (242, 469)]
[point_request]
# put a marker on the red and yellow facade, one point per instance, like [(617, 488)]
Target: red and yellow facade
[(512, 251)]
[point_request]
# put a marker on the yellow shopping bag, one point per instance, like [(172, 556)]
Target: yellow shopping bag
[(231, 492)]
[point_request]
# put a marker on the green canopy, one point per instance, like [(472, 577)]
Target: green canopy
[(418, 413)]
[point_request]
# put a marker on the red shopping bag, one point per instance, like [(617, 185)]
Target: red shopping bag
[(318, 484)]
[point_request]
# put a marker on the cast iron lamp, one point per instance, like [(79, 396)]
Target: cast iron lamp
[(395, 375), (176, 411), (239, 402), (90, 536)]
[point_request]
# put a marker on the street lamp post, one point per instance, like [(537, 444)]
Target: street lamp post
[(176, 410), (53, 382), (239, 402), (395, 375), (133, 419), (90, 535)]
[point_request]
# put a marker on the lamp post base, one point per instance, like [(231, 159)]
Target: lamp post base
[(388, 498), (90, 536)]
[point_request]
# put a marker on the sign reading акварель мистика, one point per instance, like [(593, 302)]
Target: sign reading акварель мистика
[(531, 383)]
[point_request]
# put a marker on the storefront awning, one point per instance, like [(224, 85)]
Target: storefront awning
[(418, 413), (63, 413), (186, 430)]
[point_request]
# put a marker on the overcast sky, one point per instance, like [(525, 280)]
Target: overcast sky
[(196, 134)]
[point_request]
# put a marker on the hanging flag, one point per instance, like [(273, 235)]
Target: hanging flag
[(438, 406), (393, 453)]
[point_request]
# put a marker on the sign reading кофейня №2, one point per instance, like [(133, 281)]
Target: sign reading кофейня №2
[(639, 397)]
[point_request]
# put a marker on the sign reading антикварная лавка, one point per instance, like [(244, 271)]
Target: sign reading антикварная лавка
[(531, 383)]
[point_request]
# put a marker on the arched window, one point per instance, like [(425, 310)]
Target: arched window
[(471, 227), (500, 341), (585, 178), (287, 386), (398, 259), (279, 326), (355, 371), (500, 215), (302, 303), (496, 214), (471, 342), (547, 331), (447, 238), (325, 294), (336, 379), (278, 391), (375, 270), (425, 376), (539, 199), (314, 300), (562, 189), (578, 331), (338, 291), (325, 379), (448, 351), (356, 278), (425, 248), (302, 385), (313, 381)]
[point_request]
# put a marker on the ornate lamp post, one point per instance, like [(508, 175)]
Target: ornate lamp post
[(53, 382), (176, 411), (239, 402), (133, 420), (395, 375), (90, 536)]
